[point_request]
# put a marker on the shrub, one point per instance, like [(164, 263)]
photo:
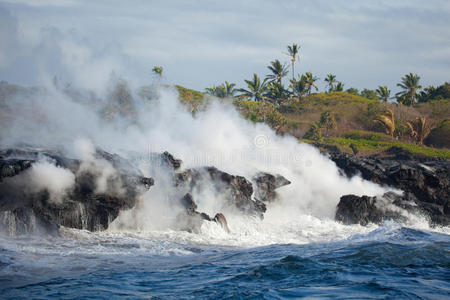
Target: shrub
[(439, 136), (313, 133)]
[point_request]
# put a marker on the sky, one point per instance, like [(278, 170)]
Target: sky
[(365, 43)]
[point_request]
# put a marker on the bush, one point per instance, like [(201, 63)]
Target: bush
[(369, 147), (439, 136), (314, 133), (261, 112), (366, 135)]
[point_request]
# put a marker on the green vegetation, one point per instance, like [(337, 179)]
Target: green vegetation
[(327, 121), (331, 81), (361, 122), (387, 120), (435, 93), (120, 102), (314, 133), (225, 90), (369, 94), (191, 98), (383, 93), (278, 70), (256, 88), (262, 112), (440, 135), (367, 147), (410, 85), (293, 55), (158, 70)]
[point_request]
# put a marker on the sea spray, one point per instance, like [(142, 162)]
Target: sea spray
[(214, 136)]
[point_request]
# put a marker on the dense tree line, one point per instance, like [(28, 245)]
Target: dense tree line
[(272, 88)]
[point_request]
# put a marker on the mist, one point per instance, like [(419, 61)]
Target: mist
[(214, 136)]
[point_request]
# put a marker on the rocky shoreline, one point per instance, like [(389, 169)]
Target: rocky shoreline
[(23, 209), (425, 184)]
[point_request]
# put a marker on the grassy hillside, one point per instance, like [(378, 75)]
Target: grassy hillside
[(354, 129)]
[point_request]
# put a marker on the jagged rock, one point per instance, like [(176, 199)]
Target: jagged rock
[(266, 184), (363, 210), (220, 219), (194, 219), (236, 189), (12, 167), (82, 207), (427, 180), (171, 161), (188, 203)]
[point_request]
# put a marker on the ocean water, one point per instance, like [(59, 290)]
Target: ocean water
[(310, 258)]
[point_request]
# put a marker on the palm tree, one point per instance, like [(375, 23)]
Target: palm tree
[(256, 88), (293, 53), (331, 79), (428, 93), (311, 82), (298, 87), (157, 70), (214, 90), (387, 120), (410, 85), (279, 70), (328, 121), (383, 93), (276, 92), (339, 87), (225, 90), (229, 89), (420, 129)]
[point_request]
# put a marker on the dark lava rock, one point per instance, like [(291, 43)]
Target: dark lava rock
[(22, 211), (266, 184), (12, 167), (188, 203), (220, 219), (236, 189), (425, 182), (171, 161), (193, 219), (363, 210)]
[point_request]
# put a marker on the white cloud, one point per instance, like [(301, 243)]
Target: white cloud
[(40, 3), (201, 43)]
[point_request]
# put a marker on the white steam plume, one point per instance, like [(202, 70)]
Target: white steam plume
[(45, 176), (215, 137)]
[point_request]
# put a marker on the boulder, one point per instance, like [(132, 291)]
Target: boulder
[(83, 207), (192, 220), (219, 218), (266, 184), (363, 210), (237, 190), (425, 182), (171, 161)]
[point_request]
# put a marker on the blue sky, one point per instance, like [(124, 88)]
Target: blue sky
[(202, 43)]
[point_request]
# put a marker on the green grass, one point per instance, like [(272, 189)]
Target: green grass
[(261, 112), (365, 146), (336, 98), (354, 115), (194, 100), (188, 94), (366, 135)]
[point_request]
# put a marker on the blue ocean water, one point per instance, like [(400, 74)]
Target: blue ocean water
[(387, 262)]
